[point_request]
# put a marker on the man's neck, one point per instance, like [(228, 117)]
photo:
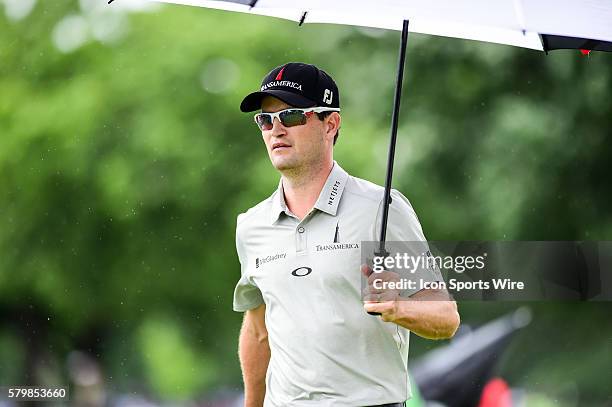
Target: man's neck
[(302, 189)]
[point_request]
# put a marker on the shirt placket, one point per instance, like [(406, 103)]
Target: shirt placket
[(301, 234)]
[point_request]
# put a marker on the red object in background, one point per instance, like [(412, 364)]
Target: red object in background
[(585, 51), (496, 393)]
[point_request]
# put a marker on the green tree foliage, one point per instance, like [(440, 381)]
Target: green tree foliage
[(124, 161)]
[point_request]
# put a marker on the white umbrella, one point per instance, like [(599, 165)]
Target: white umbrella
[(512, 22), (536, 24)]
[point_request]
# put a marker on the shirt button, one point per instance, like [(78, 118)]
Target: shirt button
[(301, 229)]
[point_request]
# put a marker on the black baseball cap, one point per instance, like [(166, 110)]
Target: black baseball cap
[(297, 84)]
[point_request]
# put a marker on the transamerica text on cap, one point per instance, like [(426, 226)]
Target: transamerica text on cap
[(276, 84)]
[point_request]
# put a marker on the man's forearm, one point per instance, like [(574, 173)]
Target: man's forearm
[(436, 319), (428, 313), (254, 353)]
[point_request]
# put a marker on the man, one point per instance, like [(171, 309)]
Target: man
[(307, 339)]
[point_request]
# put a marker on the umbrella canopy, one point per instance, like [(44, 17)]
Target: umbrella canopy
[(535, 24)]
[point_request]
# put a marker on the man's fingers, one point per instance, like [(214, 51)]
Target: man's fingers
[(372, 306), (389, 295), (378, 288), (366, 270), (371, 291), (370, 294), (381, 307), (384, 276)]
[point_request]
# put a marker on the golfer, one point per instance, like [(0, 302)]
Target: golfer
[(307, 338)]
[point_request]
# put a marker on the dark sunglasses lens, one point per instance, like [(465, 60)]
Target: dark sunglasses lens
[(264, 121), (291, 118)]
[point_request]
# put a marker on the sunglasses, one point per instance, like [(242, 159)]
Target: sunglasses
[(289, 117)]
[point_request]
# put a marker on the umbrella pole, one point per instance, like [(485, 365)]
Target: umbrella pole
[(394, 119), (382, 252)]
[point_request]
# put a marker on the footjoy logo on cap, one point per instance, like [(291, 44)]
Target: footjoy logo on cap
[(328, 96)]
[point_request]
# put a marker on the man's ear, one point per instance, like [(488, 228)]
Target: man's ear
[(333, 123)]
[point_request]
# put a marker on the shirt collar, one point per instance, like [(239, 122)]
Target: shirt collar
[(328, 200), (278, 203)]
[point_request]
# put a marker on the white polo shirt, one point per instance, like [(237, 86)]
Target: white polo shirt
[(325, 349)]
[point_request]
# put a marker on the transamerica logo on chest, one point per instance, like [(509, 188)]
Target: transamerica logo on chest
[(336, 246)]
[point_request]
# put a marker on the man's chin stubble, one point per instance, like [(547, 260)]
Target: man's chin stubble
[(284, 165)]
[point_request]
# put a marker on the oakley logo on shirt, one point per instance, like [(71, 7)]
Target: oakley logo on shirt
[(301, 271)]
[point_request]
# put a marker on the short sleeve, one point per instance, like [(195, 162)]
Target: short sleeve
[(403, 224), (404, 227), (246, 294)]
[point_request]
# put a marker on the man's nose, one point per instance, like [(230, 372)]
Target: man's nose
[(277, 128)]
